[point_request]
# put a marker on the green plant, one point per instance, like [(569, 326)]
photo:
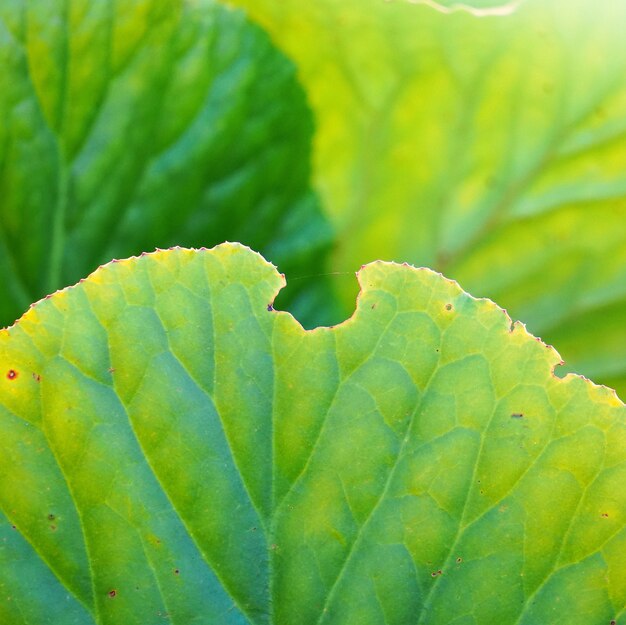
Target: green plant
[(489, 148), (184, 450), (135, 125), (175, 449)]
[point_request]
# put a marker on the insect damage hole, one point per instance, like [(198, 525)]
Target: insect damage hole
[(12, 374)]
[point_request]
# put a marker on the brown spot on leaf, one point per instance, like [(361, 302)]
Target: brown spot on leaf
[(12, 374), (448, 306), (112, 593)]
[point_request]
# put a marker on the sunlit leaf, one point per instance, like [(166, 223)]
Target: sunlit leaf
[(491, 148), (172, 448)]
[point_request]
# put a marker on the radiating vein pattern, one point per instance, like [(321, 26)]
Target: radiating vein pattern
[(174, 449)]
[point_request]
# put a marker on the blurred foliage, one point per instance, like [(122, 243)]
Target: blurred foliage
[(490, 148), (485, 139), (161, 412), (135, 125)]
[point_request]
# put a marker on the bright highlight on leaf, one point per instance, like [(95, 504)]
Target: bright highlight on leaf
[(490, 148), (170, 448)]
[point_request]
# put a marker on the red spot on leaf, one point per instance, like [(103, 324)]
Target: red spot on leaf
[(12, 374)]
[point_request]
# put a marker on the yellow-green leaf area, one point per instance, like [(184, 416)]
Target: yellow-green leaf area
[(488, 145), (173, 448)]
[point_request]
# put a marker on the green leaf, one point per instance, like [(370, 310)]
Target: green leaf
[(479, 8), (144, 123), (173, 448), (489, 148)]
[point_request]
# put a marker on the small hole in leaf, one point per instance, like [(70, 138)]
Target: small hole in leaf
[(176, 571), (51, 517), (112, 593), (308, 298), (12, 374), (459, 560)]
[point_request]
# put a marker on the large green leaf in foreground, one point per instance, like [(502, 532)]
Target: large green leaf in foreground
[(173, 448), (491, 148), (130, 125)]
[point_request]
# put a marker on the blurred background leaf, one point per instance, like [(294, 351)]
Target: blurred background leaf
[(490, 148), (135, 125), (484, 139)]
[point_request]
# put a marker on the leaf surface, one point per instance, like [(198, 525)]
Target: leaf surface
[(139, 124), (173, 448), (490, 148)]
